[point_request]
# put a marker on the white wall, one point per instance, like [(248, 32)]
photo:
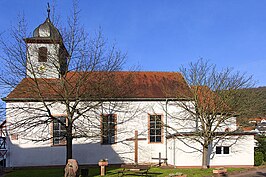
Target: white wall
[(241, 152), (51, 67), (131, 116)]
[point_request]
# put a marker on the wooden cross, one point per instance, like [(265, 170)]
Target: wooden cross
[(136, 139), (160, 159)]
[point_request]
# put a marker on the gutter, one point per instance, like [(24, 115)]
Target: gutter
[(6, 99)]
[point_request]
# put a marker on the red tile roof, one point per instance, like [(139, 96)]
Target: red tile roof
[(104, 85), (249, 124)]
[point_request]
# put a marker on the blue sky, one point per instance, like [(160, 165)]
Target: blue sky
[(161, 35)]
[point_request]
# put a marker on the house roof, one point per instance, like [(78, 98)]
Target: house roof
[(103, 85)]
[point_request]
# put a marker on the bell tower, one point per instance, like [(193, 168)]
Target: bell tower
[(46, 54)]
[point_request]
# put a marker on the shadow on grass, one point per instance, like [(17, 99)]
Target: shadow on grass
[(154, 173), (95, 171), (112, 171)]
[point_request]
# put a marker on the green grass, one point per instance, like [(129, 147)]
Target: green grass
[(112, 172), (51, 172)]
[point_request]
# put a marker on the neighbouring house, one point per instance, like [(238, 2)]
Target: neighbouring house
[(253, 125), (113, 106)]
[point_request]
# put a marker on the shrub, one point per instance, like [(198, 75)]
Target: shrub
[(261, 144), (258, 158)]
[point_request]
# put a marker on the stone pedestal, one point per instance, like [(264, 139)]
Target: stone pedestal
[(103, 165)]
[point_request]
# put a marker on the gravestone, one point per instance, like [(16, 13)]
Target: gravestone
[(71, 169)]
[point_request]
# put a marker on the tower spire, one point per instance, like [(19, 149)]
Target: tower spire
[(48, 10)]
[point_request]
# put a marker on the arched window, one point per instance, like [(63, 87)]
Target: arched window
[(42, 54)]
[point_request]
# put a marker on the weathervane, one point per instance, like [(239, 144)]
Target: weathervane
[(48, 10)]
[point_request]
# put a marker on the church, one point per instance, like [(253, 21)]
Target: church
[(122, 116)]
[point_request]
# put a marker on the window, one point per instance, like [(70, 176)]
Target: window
[(222, 149), (155, 128), (59, 131), (42, 54), (108, 128)]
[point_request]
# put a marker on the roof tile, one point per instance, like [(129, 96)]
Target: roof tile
[(98, 85)]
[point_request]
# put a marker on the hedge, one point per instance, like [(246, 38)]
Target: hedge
[(258, 158)]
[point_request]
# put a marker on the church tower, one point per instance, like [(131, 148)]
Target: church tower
[(46, 54)]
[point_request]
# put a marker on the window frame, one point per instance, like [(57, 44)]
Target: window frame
[(162, 129), (115, 129), (222, 150), (42, 54), (62, 142)]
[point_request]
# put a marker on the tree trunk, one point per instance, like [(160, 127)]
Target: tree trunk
[(69, 143), (205, 157)]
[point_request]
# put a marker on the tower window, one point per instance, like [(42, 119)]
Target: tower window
[(42, 54)]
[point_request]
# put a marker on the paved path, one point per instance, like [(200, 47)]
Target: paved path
[(259, 172)]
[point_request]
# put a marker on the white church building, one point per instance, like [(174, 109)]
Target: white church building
[(108, 123)]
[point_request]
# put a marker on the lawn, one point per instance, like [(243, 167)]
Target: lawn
[(111, 172)]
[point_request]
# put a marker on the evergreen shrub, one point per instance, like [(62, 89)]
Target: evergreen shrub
[(258, 158)]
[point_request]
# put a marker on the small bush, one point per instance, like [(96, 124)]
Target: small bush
[(264, 156), (258, 158)]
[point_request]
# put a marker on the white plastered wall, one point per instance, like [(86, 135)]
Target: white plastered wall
[(185, 153), (130, 117), (49, 69)]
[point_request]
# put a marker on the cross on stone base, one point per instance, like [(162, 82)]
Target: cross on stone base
[(160, 159), (136, 139)]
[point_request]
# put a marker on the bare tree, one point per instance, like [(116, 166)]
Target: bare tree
[(209, 116), (79, 79)]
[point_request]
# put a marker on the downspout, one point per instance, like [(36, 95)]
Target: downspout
[(197, 118), (174, 151), (166, 124), (8, 146)]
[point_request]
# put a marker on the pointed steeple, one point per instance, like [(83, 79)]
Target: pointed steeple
[(48, 10)]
